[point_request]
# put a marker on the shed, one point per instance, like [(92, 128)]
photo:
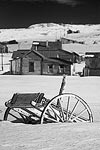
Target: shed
[(92, 64)]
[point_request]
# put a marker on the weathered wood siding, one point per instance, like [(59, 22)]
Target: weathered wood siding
[(18, 66), (91, 72), (93, 63), (25, 66), (34, 63), (15, 66), (94, 72), (56, 69), (33, 58), (57, 54)]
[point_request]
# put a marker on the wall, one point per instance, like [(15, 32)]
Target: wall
[(91, 72), (56, 69), (25, 66), (92, 66), (92, 62), (94, 72), (22, 67), (15, 67)]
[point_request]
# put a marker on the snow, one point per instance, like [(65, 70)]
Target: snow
[(50, 137), (81, 48), (88, 34), (51, 31), (60, 136)]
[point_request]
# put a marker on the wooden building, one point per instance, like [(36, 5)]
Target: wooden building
[(92, 64), (44, 58), (32, 62), (54, 50)]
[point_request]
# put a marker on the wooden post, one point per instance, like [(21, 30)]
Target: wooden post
[(62, 84), (61, 89), (2, 59)]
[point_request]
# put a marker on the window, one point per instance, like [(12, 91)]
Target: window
[(61, 68), (31, 66), (50, 68)]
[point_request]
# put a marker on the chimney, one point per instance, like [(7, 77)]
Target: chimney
[(35, 45)]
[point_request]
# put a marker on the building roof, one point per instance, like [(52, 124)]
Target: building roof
[(23, 53), (68, 41), (54, 60), (61, 61), (43, 47), (47, 45), (19, 53), (81, 48), (89, 53), (92, 54), (53, 53), (36, 52)]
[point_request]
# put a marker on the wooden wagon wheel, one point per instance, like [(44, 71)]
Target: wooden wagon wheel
[(66, 107), (22, 111), (14, 115), (17, 115)]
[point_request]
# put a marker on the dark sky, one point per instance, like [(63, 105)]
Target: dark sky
[(23, 13)]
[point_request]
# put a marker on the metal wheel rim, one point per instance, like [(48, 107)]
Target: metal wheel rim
[(75, 117)]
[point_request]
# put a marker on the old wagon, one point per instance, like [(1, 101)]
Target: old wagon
[(35, 108)]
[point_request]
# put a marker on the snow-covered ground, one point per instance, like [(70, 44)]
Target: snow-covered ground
[(59, 136)]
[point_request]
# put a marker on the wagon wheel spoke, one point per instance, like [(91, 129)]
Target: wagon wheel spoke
[(50, 119), (56, 115), (23, 116), (48, 116), (15, 117), (61, 112), (78, 115), (73, 109), (66, 118)]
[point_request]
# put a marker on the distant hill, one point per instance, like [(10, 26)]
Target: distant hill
[(86, 35)]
